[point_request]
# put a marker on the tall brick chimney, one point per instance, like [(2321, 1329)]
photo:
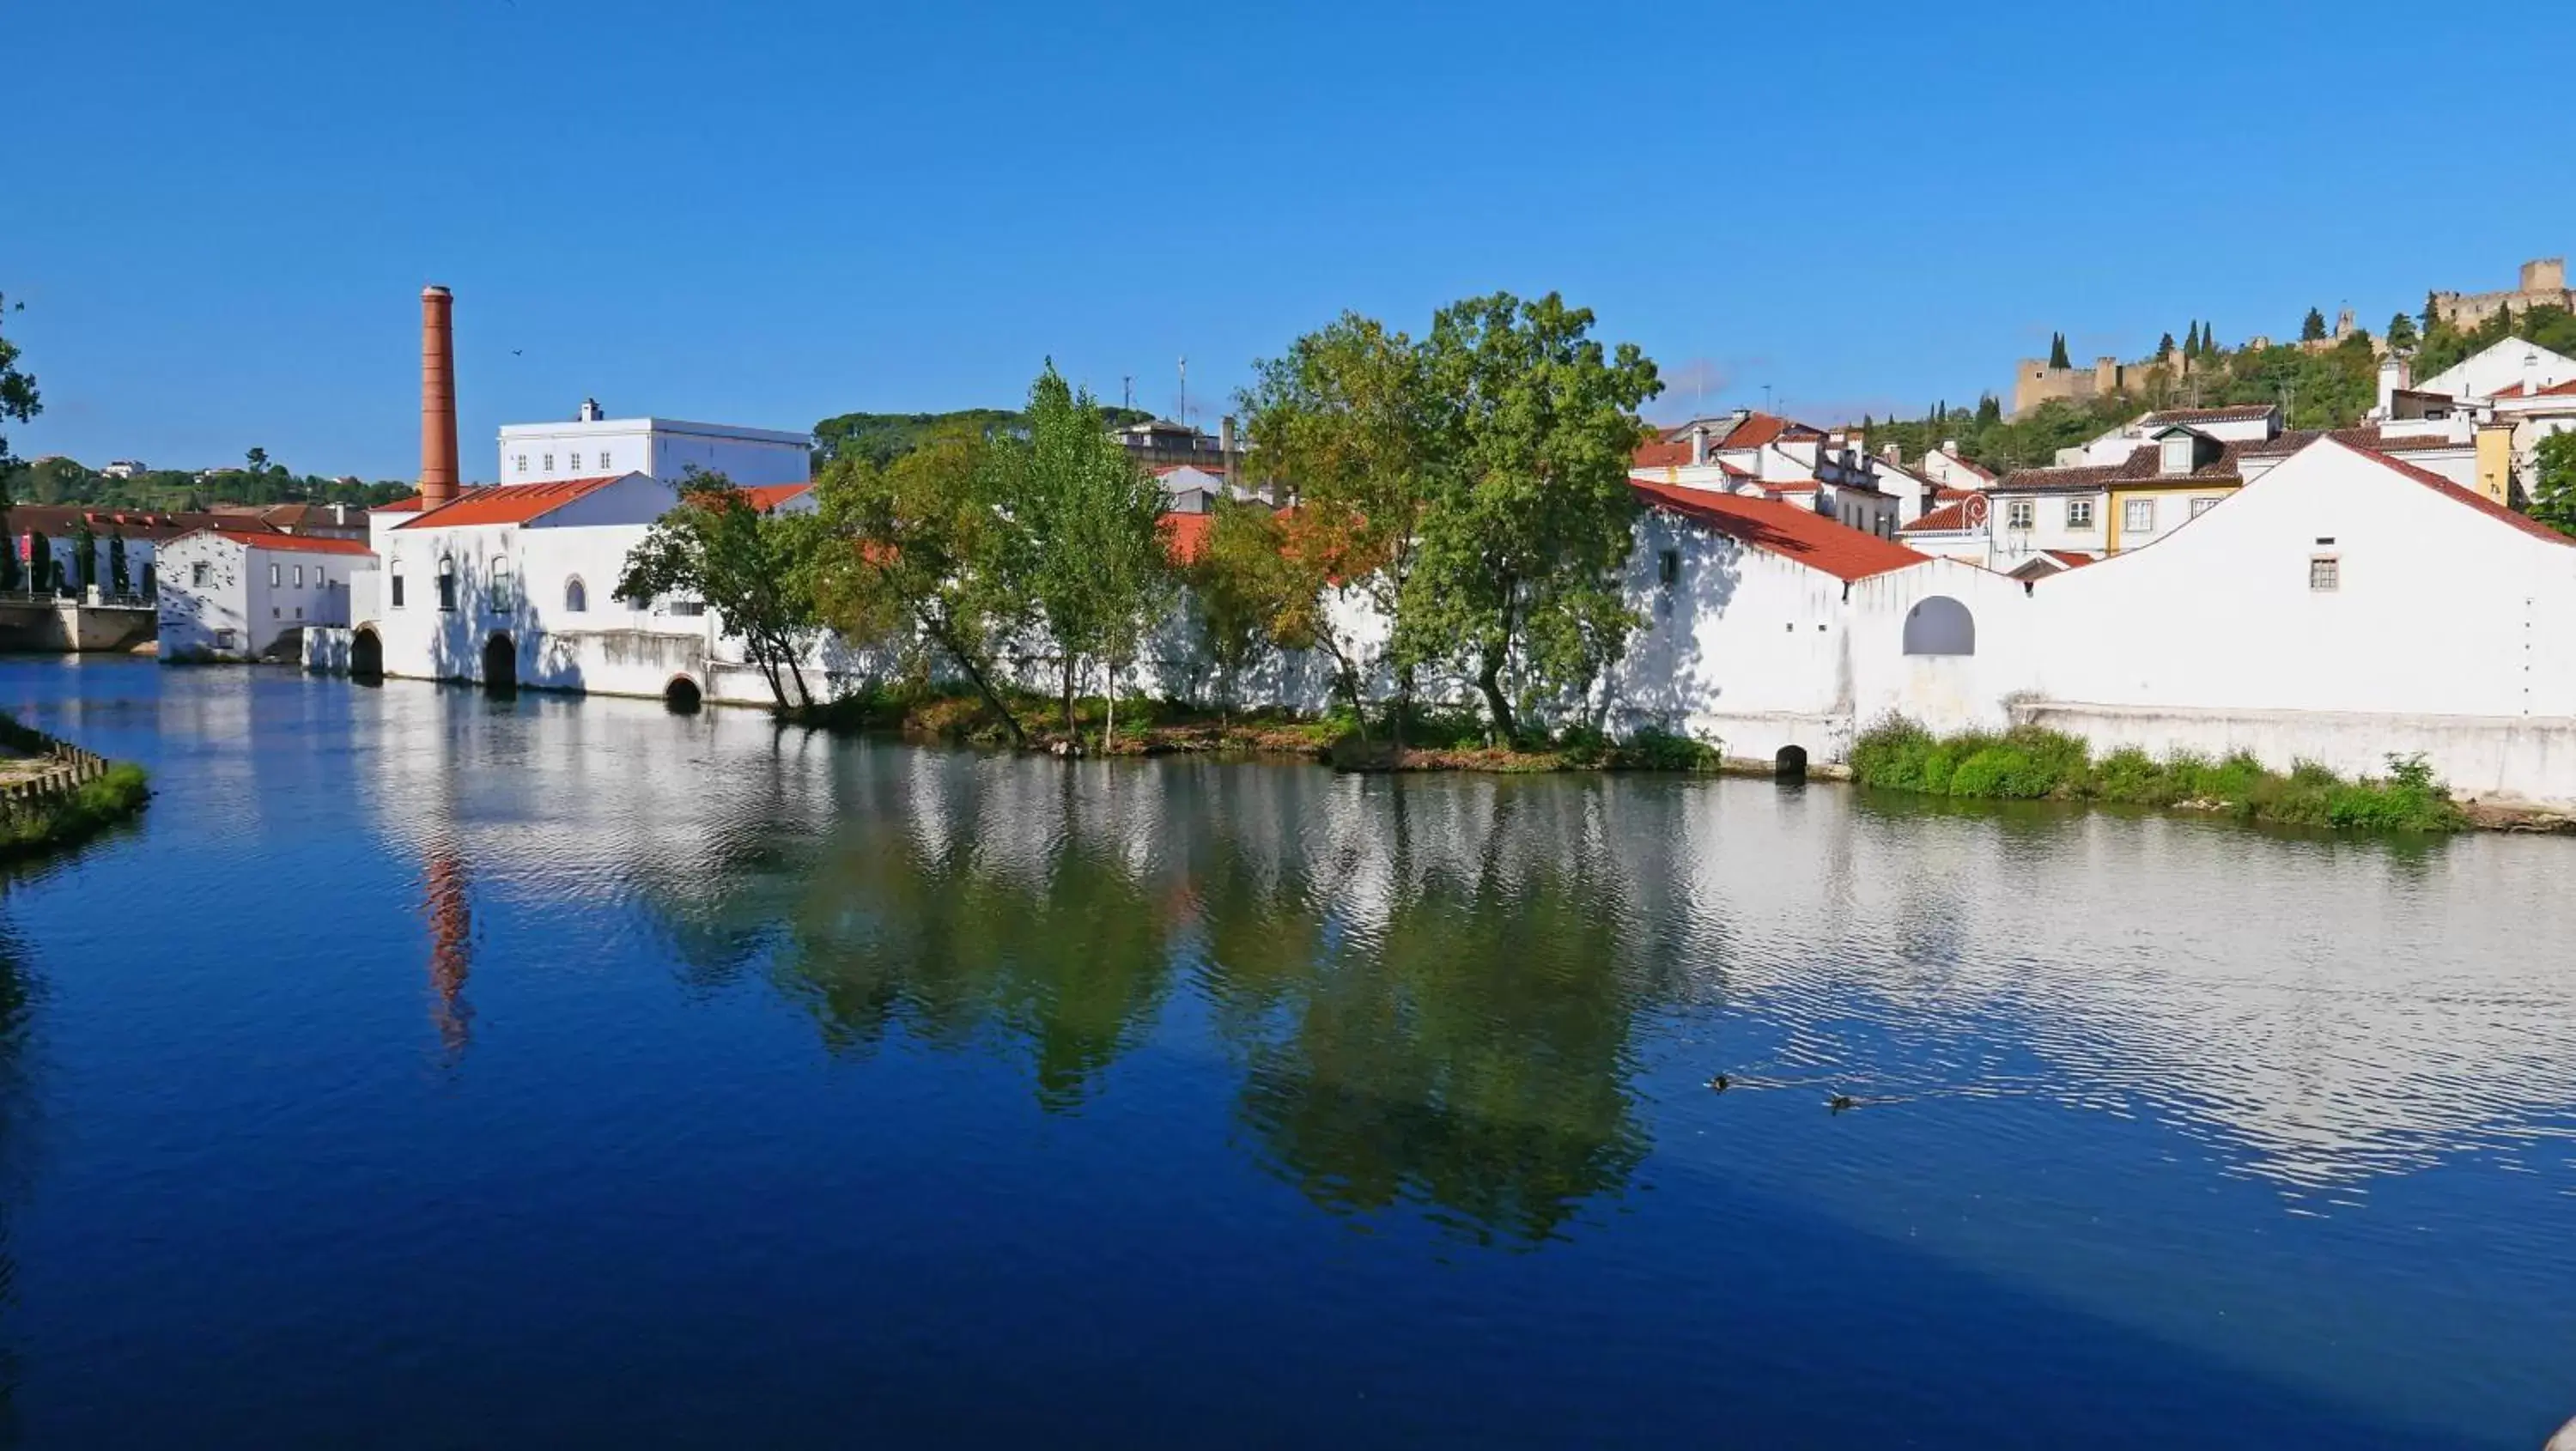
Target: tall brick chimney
[(437, 397)]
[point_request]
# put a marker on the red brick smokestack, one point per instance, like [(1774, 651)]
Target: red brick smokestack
[(437, 397)]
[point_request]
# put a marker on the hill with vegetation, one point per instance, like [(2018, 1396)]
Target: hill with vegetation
[(68, 481), (884, 437), (2330, 387)]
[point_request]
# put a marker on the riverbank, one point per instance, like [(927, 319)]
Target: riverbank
[(54, 794), (2029, 763)]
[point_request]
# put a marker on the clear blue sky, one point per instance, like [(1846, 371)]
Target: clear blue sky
[(220, 216)]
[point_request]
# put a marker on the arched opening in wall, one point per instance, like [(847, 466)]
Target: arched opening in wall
[(682, 695), (500, 665), (366, 656), (1790, 764), (1940, 625), (576, 596)]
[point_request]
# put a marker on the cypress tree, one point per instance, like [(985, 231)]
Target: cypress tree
[(2191, 340), (2164, 347), (2057, 351)]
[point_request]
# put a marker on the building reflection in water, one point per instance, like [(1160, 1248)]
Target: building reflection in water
[(451, 952), (1434, 992)]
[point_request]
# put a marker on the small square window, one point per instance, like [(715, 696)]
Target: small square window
[(2138, 516), (2079, 513), (299, 612), (550, 462), (522, 463), (575, 465), (201, 574), (2201, 506), (2017, 514), (2325, 573)]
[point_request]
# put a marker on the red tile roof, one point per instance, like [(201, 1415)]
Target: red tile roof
[(2232, 413), (1758, 429), (1960, 514), (2068, 557), (1801, 536), (1663, 454), (402, 506), (766, 497), (510, 503), (2546, 389), (294, 543), (2470, 497), (1185, 536)]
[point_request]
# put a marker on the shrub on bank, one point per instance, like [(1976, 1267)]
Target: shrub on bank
[(53, 821), (2029, 763)]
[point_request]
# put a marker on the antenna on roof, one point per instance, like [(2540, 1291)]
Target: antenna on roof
[(1183, 418)]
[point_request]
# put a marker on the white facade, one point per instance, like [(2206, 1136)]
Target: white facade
[(2509, 363), (236, 596), (666, 448)]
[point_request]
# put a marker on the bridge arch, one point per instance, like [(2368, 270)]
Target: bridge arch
[(683, 695), (500, 664), (366, 654)]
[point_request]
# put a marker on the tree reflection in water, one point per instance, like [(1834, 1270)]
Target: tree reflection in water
[(1458, 1035)]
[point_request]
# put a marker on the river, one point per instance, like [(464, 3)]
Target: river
[(428, 1070)]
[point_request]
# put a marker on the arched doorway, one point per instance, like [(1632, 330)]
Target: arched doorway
[(682, 695), (366, 656), (1940, 625), (1790, 764), (500, 665)]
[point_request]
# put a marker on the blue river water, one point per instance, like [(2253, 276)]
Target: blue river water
[(428, 1070)]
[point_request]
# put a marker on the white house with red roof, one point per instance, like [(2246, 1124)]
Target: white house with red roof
[(241, 594), (1761, 455)]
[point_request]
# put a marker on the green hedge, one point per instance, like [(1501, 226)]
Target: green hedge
[(2029, 763), (47, 822)]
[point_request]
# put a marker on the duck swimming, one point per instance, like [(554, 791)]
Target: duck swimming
[(1718, 1083), (1839, 1102)]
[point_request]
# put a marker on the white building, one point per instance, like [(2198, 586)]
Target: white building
[(592, 447), (243, 594), (1761, 455)]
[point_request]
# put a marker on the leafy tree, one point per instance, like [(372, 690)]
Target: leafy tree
[(40, 561), (257, 459), (18, 397), (2312, 328), (1091, 553), (119, 577), (1990, 411), (919, 556), (2401, 332), (2057, 351), (753, 568), (1517, 583), (85, 554), (2432, 310), (2553, 485), (1346, 418), (2164, 348), (882, 438), (1244, 584), (2191, 341)]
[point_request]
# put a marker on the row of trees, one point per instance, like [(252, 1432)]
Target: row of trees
[(1470, 485)]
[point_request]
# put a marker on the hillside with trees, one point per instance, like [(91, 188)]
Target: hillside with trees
[(881, 438), (68, 481)]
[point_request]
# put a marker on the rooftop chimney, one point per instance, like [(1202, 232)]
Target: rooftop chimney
[(590, 411), (1699, 443), (1225, 452), (437, 398)]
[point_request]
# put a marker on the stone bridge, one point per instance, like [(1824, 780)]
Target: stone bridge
[(51, 623)]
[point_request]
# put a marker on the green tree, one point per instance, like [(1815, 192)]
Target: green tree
[(18, 396), (2191, 341), (2057, 351), (1347, 420), (1517, 580), (2312, 328), (919, 557), (2401, 332), (119, 576), (2432, 310), (84, 554), (1091, 554), (40, 561), (1242, 582), (2164, 348), (2553, 484), (257, 460), (1990, 410), (753, 568)]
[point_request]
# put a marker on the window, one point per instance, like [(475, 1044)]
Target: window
[(603, 461), (576, 463), (1669, 568), (2138, 516), (276, 575), (319, 582), (689, 608), (2325, 573), (497, 586), (2079, 513), (2201, 506), (576, 596), (2017, 514), (1940, 625), (550, 462), (299, 612), (521, 462), (299, 576), (447, 584), (223, 639), (201, 574), (397, 591), (2177, 454)]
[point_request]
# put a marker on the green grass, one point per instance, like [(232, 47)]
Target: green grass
[(48, 822), (2029, 763)]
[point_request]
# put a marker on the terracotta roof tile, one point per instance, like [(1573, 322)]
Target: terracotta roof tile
[(2232, 413), (292, 543), (1663, 454), (1956, 516), (2366, 438), (510, 503), (766, 497), (2516, 390), (1185, 536), (1799, 535), (2144, 465)]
